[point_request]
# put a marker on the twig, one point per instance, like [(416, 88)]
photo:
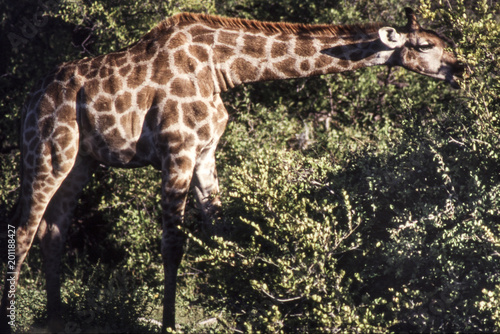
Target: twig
[(280, 300), (456, 141)]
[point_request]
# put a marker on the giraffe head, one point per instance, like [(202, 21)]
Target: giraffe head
[(420, 50)]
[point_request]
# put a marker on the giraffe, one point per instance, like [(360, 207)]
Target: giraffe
[(157, 102)]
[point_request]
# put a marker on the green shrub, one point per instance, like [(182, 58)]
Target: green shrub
[(276, 270)]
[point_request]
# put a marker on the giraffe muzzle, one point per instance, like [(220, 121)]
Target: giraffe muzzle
[(458, 74)]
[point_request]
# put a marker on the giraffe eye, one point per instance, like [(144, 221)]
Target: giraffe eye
[(424, 47)]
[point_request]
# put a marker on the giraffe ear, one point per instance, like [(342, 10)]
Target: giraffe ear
[(390, 37)]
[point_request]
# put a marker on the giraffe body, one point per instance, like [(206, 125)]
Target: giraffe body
[(158, 103)]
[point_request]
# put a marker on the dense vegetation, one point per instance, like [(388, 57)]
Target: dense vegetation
[(365, 201)]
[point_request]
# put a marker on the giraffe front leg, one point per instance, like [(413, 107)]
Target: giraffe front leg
[(205, 182), (206, 187), (176, 180)]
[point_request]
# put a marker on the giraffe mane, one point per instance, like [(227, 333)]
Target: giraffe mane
[(270, 27)]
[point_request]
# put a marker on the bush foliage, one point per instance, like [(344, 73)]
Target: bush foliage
[(357, 202)]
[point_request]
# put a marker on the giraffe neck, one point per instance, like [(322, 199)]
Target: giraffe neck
[(261, 58), (242, 51)]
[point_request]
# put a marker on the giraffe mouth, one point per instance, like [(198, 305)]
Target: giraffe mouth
[(454, 84), (458, 74)]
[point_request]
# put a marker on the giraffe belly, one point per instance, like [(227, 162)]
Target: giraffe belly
[(127, 144), (134, 153)]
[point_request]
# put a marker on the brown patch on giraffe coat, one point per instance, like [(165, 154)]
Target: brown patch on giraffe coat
[(37, 186), (177, 182), (170, 115), (269, 74), (83, 69), (39, 195), (175, 141), (91, 88), (92, 73), (244, 70), (70, 153), (177, 40), (199, 53), (106, 71), (200, 30), (202, 34), (145, 97), (287, 67), (194, 113), (123, 102), (279, 49), (283, 37), (96, 63), (227, 38), (63, 136), (56, 92), (304, 47), (305, 66), (159, 96), (143, 52), (322, 61), (65, 73), (103, 103), (70, 88), (137, 76), (183, 62), (205, 81), (66, 114), (125, 70), (131, 122), (329, 41), (112, 84), (46, 126), (117, 58), (161, 73), (87, 122), (45, 107), (183, 163), (182, 88), (343, 64), (204, 39), (107, 121), (204, 133), (254, 46), (222, 53)]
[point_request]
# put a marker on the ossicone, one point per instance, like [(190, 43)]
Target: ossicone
[(412, 24)]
